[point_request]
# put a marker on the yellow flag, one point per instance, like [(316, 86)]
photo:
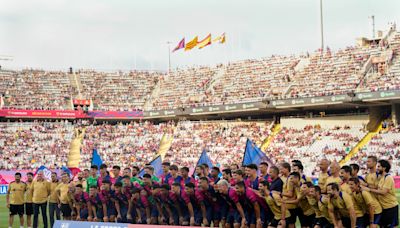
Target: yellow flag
[(191, 44), (220, 39), (206, 41)]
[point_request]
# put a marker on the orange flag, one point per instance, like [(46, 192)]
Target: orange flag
[(191, 44)]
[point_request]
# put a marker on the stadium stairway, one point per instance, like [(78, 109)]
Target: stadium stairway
[(74, 156), (216, 79), (268, 140), (155, 93), (75, 82), (364, 141)]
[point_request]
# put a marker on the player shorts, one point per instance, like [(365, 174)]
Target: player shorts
[(346, 222), (223, 211), (111, 211), (16, 209), (154, 212), (99, 213), (233, 217), (84, 213), (66, 210), (210, 213), (250, 217), (185, 214), (322, 222), (198, 216), (377, 219), (266, 215), (175, 215), (274, 222), (293, 216), (29, 208), (124, 213), (306, 221), (360, 222), (390, 217)]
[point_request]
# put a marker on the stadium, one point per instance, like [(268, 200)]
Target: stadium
[(289, 140)]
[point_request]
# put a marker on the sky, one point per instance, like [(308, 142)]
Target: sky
[(132, 34)]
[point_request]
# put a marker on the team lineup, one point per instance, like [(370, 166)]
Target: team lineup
[(249, 196)]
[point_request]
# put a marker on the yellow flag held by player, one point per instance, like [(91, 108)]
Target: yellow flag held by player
[(205, 42), (220, 39), (191, 44)]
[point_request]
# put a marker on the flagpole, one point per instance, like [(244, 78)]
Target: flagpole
[(322, 25), (245, 150), (169, 56)]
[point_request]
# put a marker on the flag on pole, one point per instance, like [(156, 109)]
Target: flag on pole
[(96, 159), (46, 172), (205, 42), (204, 159), (66, 170), (156, 163), (74, 171), (180, 45), (191, 44), (220, 39), (253, 155)]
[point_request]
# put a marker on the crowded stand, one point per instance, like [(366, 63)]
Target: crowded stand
[(277, 77), (29, 145), (123, 143), (312, 143), (224, 141), (384, 75), (386, 145), (329, 73), (257, 79), (35, 89), (185, 87), (118, 91)]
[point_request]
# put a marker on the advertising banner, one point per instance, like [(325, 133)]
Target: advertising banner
[(81, 102), (379, 95), (226, 108), (309, 101), (76, 224), (61, 114), (115, 114), (162, 113)]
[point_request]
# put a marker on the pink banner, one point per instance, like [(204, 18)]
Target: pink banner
[(157, 226), (397, 182), (8, 175), (116, 114), (61, 114)]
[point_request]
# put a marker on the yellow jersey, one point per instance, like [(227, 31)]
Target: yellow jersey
[(364, 199), (274, 201), (28, 193), (53, 193), (322, 181), (40, 191), (16, 192), (286, 189), (389, 199), (342, 204), (63, 193)]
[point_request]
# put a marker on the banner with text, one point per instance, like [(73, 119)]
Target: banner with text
[(61, 114)]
